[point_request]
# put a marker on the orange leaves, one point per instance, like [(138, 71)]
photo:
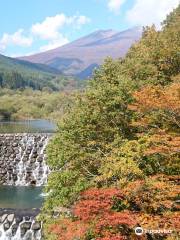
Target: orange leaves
[(68, 229), (96, 202), (157, 97), (117, 237), (157, 110), (151, 205), (153, 195), (94, 211), (164, 143), (170, 221), (114, 220), (96, 205)]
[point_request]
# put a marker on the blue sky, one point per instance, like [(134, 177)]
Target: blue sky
[(30, 26)]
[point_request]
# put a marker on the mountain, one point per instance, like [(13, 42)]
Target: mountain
[(22, 65), (81, 56), (15, 73)]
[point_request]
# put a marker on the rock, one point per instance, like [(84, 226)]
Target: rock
[(17, 147), (36, 226), (19, 219), (29, 236), (26, 225), (6, 226), (3, 218), (27, 218), (24, 228), (14, 229), (23, 232), (10, 218), (33, 182)]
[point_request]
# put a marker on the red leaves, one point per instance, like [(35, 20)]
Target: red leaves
[(66, 229), (114, 219), (94, 217), (96, 206), (94, 211), (96, 202), (117, 237)]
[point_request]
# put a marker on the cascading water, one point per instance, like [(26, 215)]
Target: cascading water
[(22, 163), (14, 227), (25, 164)]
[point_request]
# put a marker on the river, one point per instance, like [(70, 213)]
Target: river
[(27, 126), (21, 197)]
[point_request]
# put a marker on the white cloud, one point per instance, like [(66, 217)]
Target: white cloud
[(15, 39), (148, 12), (50, 27), (49, 30), (61, 40), (115, 5), (81, 20)]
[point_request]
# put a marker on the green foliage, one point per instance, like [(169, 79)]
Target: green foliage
[(155, 58), (29, 104), (121, 165), (66, 186), (99, 116), (17, 74)]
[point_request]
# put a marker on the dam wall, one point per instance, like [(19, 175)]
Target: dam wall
[(23, 159)]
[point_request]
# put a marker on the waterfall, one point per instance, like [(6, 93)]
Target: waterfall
[(22, 163), (23, 159), (19, 228)]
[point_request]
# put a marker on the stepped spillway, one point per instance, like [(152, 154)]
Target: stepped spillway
[(23, 159), (15, 225), (22, 163)]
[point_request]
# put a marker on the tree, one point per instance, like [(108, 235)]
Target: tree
[(99, 116)]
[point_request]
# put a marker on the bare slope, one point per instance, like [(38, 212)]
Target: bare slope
[(81, 56)]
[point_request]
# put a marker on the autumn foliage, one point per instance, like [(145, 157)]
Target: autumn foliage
[(163, 100), (96, 213), (116, 157), (157, 116), (106, 214)]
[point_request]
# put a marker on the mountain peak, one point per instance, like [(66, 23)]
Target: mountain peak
[(80, 56), (105, 31)]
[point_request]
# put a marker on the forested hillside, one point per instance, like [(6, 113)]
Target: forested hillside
[(18, 74), (33, 104), (115, 160)]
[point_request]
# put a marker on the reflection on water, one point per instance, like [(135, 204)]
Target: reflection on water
[(27, 126), (21, 197)]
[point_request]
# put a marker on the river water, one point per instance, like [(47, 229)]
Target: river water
[(20, 197), (27, 126)]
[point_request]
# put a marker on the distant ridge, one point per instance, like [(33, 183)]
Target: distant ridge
[(79, 57), (12, 64), (15, 73)]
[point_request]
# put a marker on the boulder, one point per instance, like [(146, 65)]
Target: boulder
[(6, 226), (10, 218), (14, 229), (36, 226)]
